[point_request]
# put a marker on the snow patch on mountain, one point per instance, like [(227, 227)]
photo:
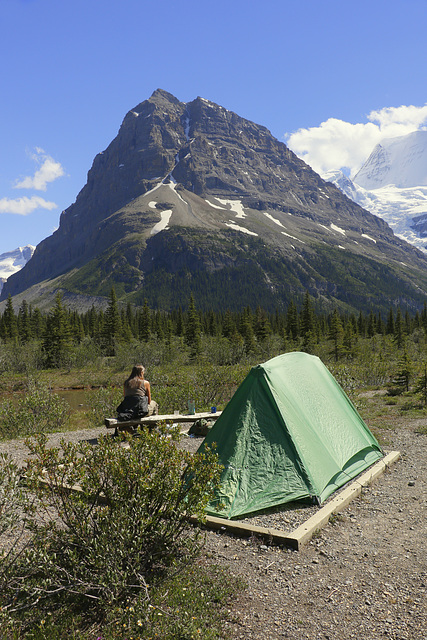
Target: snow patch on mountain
[(397, 206), (13, 261)]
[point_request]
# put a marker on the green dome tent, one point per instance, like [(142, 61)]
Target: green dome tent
[(288, 433)]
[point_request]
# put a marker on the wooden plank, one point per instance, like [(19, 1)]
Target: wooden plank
[(303, 534), (112, 423)]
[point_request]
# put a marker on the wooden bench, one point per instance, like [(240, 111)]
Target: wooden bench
[(151, 421)]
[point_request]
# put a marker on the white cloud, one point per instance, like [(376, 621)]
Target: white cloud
[(24, 206), (336, 144), (49, 171)]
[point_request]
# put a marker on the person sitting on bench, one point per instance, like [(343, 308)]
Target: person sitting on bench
[(137, 401)]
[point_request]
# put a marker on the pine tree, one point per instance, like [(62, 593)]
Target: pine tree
[(336, 334), (308, 325), (390, 323), (192, 329), (421, 386), (361, 325), (24, 323), (262, 325), (228, 326), (246, 330), (9, 324), (399, 330), (350, 337), (180, 327), (112, 325), (145, 323), (372, 325), (292, 324), (403, 375), (57, 341), (38, 323)]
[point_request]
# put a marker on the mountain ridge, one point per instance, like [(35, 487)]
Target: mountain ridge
[(192, 198)]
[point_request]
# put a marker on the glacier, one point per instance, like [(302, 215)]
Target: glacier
[(13, 261), (392, 184)]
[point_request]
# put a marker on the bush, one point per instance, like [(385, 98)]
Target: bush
[(102, 403), (38, 411), (114, 541), (21, 358), (206, 385)]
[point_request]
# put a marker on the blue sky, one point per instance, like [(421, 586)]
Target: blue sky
[(327, 77)]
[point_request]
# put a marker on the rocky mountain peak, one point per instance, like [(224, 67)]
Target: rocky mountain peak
[(192, 193)]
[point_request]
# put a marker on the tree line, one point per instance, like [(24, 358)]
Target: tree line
[(61, 328)]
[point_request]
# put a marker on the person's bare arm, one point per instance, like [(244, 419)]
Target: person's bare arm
[(147, 390)]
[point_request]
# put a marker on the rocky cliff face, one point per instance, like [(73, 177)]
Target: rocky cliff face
[(192, 197)]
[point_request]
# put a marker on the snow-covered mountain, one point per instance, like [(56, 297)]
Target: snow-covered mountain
[(400, 161), (13, 261), (392, 184)]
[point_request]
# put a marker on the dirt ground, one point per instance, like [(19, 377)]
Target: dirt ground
[(364, 576)]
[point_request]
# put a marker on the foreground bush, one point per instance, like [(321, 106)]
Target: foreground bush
[(110, 545), (102, 403), (37, 410)]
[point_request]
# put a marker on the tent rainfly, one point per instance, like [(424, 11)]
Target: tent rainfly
[(288, 433)]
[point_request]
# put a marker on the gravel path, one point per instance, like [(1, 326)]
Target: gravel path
[(364, 576)]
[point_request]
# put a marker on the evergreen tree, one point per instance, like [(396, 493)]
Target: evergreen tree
[(424, 317), (24, 323), (292, 323), (228, 326), (336, 334), (131, 319), (361, 325), (145, 323), (56, 342), (390, 323), (212, 324), (399, 330), (9, 321), (180, 325), (408, 323), (246, 330), (308, 325), (112, 328), (403, 375), (372, 325), (380, 324), (38, 323), (192, 329), (350, 337), (262, 325), (421, 386)]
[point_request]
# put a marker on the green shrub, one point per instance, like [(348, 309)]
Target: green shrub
[(114, 541), (102, 403), (204, 384), (10, 492), (21, 358), (39, 410)]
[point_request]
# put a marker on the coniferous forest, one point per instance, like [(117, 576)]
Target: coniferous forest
[(372, 346)]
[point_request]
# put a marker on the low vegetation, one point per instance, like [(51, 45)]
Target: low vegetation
[(104, 561), (119, 559)]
